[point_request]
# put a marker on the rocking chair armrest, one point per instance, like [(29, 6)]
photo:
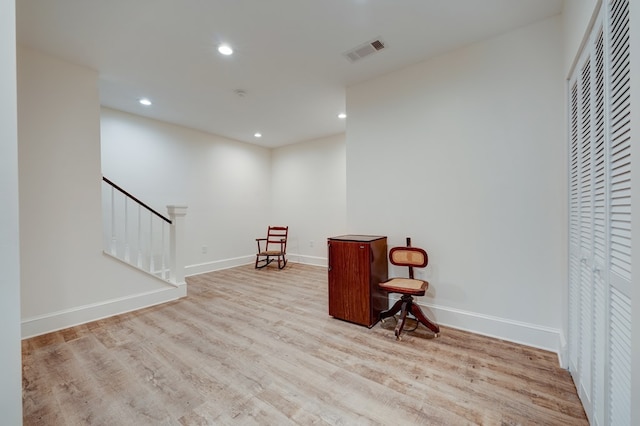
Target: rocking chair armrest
[(258, 242), (283, 243)]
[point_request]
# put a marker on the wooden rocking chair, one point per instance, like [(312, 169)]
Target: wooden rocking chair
[(275, 246)]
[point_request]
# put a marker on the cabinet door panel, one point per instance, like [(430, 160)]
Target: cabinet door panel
[(349, 277)]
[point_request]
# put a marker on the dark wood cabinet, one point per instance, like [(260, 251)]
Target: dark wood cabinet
[(357, 263)]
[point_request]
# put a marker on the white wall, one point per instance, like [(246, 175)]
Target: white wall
[(234, 190), (10, 358), (466, 154), (309, 195), (226, 184), (65, 277)]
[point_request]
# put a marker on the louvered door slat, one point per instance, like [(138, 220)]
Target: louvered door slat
[(620, 187), (574, 310), (621, 170), (599, 168), (621, 133), (620, 359), (585, 118), (619, 366), (620, 147), (585, 351), (620, 95), (619, 25), (599, 352), (599, 236), (574, 230), (618, 60)]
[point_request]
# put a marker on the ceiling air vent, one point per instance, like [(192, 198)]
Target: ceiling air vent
[(364, 49)]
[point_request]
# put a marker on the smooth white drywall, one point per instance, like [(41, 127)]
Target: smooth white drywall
[(309, 194), (466, 154), (10, 373), (63, 268), (226, 184)]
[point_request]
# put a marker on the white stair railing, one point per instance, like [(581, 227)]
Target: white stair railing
[(144, 233)]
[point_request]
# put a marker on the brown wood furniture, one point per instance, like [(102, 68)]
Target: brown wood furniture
[(357, 264), (275, 246), (413, 257)]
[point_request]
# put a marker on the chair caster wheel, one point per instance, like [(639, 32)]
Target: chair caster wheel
[(436, 335)]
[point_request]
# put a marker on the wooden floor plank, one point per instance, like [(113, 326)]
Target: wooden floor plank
[(258, 347)]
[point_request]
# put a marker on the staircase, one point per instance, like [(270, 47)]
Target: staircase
[(137, 234)]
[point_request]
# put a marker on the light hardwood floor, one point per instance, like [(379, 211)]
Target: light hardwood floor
[(253, 346)]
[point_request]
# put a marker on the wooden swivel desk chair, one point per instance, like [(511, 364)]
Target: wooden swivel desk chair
[(413, 257)]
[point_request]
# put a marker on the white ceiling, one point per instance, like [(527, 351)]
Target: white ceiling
[(288, 53)]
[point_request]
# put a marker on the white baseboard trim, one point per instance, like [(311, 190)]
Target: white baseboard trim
[(55, 321), (533, 335), (308, 260), (217, 265), (563, 352)]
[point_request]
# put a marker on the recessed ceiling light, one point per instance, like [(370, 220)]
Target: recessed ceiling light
[(225, 49), (258, 135), (145, 102), (342, 115)]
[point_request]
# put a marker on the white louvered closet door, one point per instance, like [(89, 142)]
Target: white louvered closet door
[(599, 203), (600, 219), (582, 339), (619, 217), (574, 230)]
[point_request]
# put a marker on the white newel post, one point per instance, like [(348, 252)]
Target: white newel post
[(176, 243)]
